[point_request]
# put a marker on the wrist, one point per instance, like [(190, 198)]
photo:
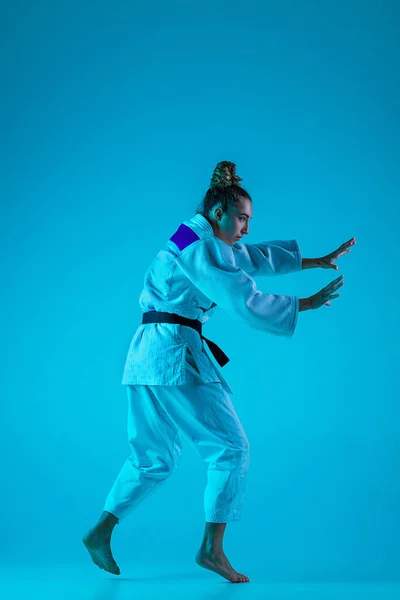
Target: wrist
[(309, 263), (304, 304)]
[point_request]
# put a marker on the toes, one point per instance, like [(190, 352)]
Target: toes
[(114, 569)]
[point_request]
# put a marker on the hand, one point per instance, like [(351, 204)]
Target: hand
[(326, 262), (327, 293)]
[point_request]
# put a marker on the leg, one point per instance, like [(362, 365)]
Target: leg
[(155, 449), (106, 523), (204, 413), (155, 446), (213, 536)]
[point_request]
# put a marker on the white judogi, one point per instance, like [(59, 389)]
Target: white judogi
[(157, 418), (173, 386), (191, 282)]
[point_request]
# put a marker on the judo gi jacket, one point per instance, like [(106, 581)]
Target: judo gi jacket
[(191, 276)]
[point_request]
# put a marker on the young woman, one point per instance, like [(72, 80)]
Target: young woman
[(173, 386)]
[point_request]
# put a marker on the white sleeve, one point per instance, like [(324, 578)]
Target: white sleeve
[(235, 291), (277, 257)]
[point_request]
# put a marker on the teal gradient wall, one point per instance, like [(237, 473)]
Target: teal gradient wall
[(113, 118)]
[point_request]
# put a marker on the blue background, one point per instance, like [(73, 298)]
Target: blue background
[(113, 118)]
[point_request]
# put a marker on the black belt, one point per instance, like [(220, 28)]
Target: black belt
[(155, 316)]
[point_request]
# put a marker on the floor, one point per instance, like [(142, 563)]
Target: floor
[(145, 583)]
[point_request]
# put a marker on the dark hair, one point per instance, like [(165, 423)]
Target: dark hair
[(224, 189)]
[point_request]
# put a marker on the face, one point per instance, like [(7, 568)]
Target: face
[(230, 226)]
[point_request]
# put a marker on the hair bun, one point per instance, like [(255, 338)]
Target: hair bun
[(224, 174)]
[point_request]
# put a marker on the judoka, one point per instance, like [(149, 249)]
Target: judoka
[(174, 389)]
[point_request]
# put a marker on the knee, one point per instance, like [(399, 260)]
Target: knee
[(244, 454), (156, 467), (242, 445), (238, 456)]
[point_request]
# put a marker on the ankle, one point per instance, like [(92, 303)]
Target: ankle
[(108, 521), (211, 547), (104, 528)]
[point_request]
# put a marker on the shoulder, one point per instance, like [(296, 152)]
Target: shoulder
[(188, 235)]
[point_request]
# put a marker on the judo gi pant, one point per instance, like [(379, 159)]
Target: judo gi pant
[(204, 414)]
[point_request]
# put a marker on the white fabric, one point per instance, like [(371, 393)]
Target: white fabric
[(204, 414), (191, 282)]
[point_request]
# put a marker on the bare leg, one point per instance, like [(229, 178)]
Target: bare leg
[(211, 555), (98, 543)]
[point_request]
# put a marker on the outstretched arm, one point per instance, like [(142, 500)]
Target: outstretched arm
[(233, 290), (275, 257)]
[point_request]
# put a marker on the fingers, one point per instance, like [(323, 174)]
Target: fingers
[(328, 293), (336, 286), (351, 242), (332, 287), (335, 282), (331, 298)]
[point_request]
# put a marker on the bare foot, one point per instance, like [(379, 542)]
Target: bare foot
[(99, 549), (218, 562)]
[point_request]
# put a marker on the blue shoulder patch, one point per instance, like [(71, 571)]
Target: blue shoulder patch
[(184, 236)]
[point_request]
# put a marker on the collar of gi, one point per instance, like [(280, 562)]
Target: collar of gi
[(202, 222)]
